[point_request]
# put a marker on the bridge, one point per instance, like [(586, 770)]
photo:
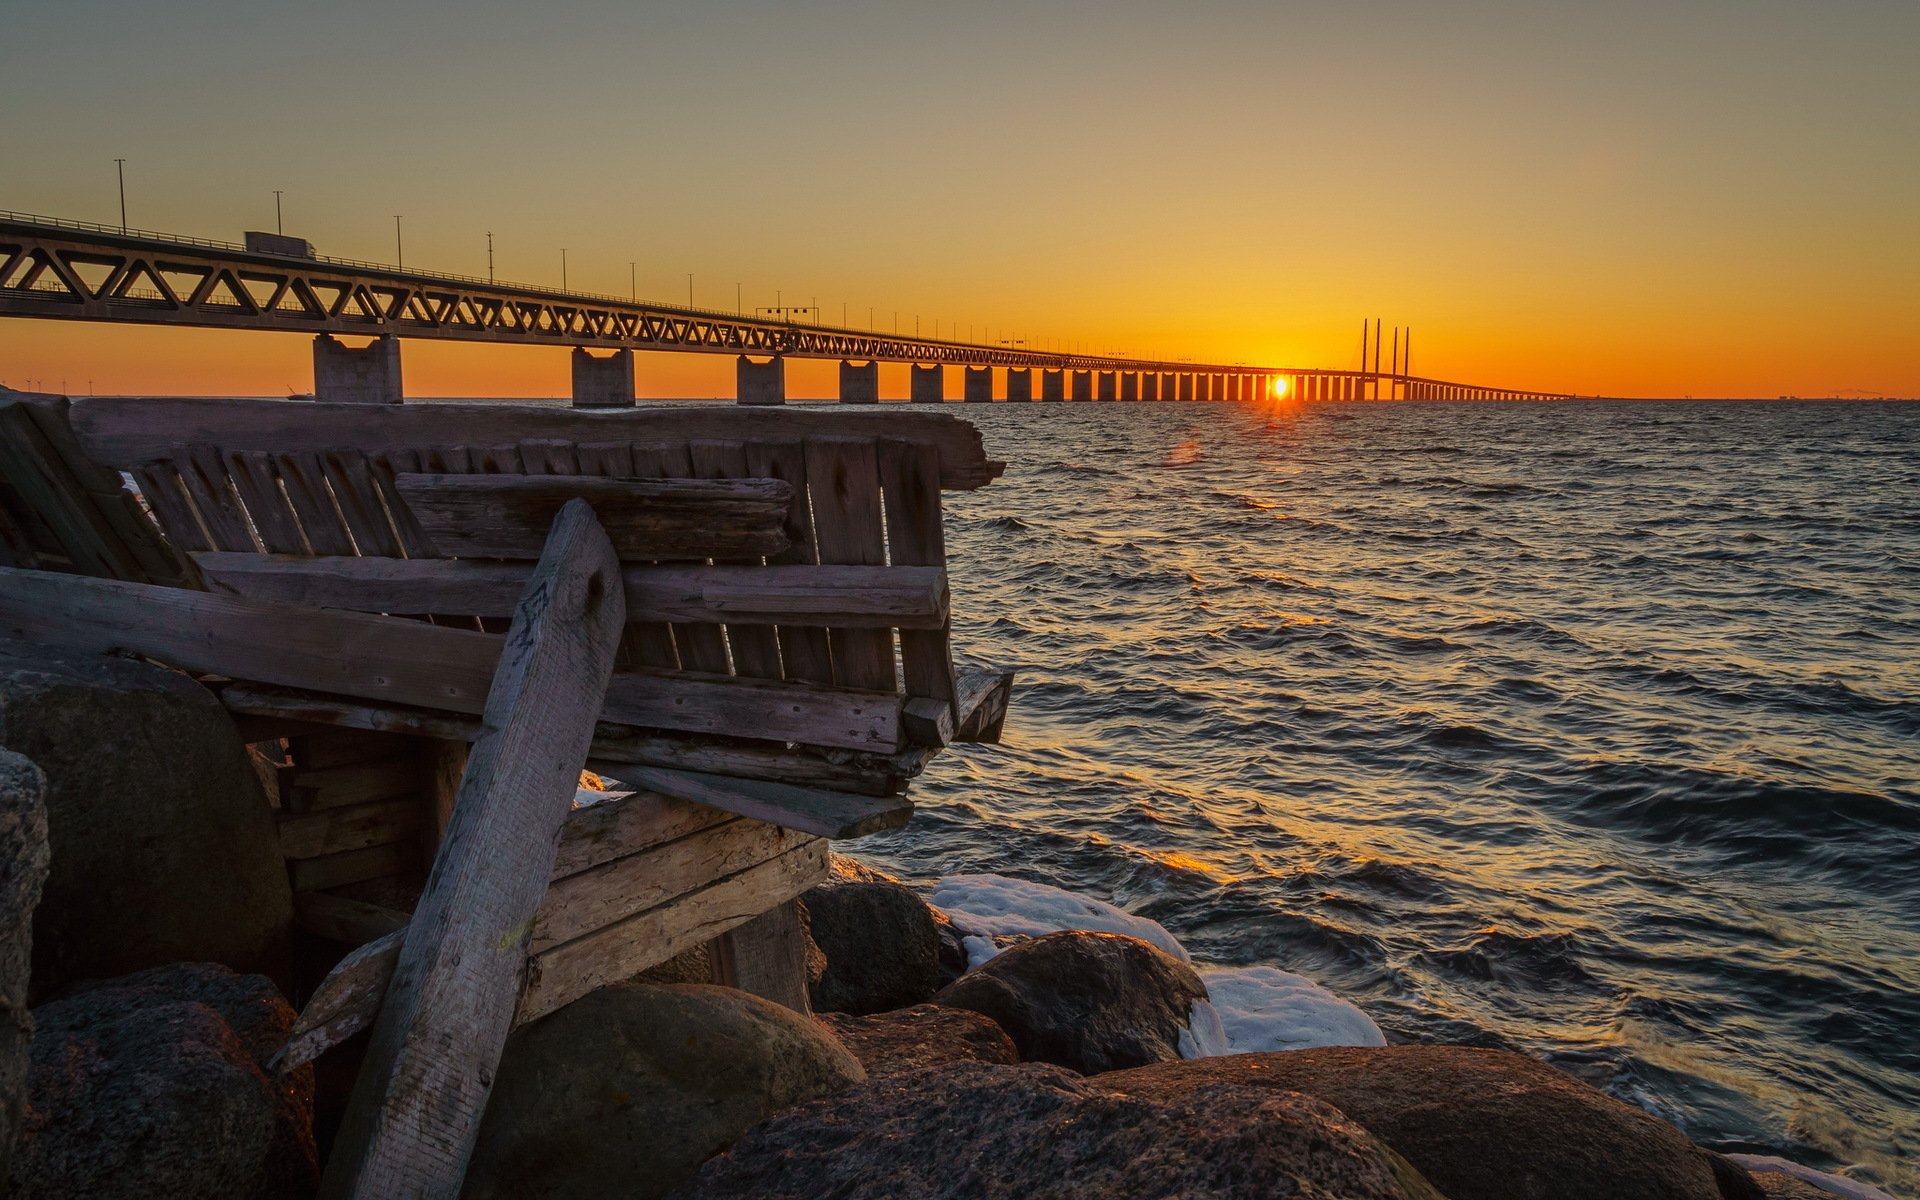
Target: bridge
[(76, 271)]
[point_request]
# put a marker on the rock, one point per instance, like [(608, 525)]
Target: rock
[(627, 1090), (881, 945), (842, 869), (1088, 1001), (1035, 1132), (163, 844), (23, 868), (154, 1085), (953, 947), (926, 1035), (1775, 1185), (1480, 1124)]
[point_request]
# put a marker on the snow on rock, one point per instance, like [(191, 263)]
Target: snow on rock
[(1839, 1185), (1204, 1036), (995, 905), (1264, 1008)]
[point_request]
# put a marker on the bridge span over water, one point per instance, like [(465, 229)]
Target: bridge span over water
[(75, 271)]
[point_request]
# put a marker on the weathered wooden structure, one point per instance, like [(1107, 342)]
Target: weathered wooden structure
[(360, 586)]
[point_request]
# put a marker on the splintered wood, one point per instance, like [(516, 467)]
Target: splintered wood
[(417, 1105)]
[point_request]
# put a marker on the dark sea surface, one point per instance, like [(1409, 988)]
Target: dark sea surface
[(1588, 729)]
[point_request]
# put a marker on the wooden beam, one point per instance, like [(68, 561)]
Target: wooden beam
[(816, 811), (343, 919), (768, 957), (982, 703), (416, 1107), (506, 516), (397, 661), (877, 597), (123, 432)]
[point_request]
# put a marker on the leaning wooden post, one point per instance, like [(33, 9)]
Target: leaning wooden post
[(415, 1111)]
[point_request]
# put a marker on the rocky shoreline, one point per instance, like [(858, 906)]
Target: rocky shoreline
[(148, 959)]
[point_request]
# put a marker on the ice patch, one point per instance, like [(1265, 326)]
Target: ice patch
[(1204, 1036), (1263, 1008), (1839, 1185), (979, 948), (995, 905)]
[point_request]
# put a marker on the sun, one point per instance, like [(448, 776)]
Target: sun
[(1279, 387)]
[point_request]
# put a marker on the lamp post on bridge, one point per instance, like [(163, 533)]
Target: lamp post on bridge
[(399, 251), (120, 168), (278, 226), (563, 268), (489, 256)]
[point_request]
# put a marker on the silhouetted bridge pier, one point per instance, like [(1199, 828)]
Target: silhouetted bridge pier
[(74, 271)]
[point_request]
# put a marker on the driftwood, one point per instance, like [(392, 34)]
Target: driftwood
[(416, 1107), (507, 516), (902, 597), (811, 810)]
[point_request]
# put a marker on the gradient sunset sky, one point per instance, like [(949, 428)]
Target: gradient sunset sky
[(1663, 199)]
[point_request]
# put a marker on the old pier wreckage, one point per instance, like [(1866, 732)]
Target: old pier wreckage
[(431, 618)]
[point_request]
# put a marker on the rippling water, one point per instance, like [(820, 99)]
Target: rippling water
[(1588, 729)]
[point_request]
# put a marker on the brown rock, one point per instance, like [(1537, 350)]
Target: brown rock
[(163, 844), (1036, 1132), (628, 1089), (1090, 1002), (1479, 1124), (1778, 1185), (926, 1035), (880, 943), (23, 868), (154, 1085)]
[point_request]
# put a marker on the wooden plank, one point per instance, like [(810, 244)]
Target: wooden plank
[(909, 477), (362, 782), (548, 456), (343, 747), (771, 710), (204, 477), (652, 643), (624, 825), (350, 478), (159, 484), (354, 866), (614, 746), (252, 475), (816, 811), (843, 477), (446, 763), (611, 459), (982, 704), (500, 516), (414, 542), (880, 597), (30, 462), (306, 484), (613, 891), (122, 431), (754, 649), (416, 1107), (343, 919), (346, 1002), (768, 957), (805, 652), (354, 827), (623, 950), (702, 647)]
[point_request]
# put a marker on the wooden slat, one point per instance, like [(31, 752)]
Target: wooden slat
[(881, 597), (354, 866), (123, 431), (754, 649), (50, 489), (500, 516), (623, 950), (805, 652), (909, 477), (350, 478), (342, 747), (355, 827), (548, 456), (158, 562), (817, 811), (611, 459), (361, 782), (251, 473), (345, 1003), (402, 662), (982, 703), (624, 825), (416, 1107), (843, 477), (343, 919), (306, 485), (766, 956), (205, 478), (652, 643), (414, 542), (160, 485)]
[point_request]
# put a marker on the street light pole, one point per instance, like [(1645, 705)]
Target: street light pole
[(633, 282), (489, 256), (120, 166), (399, 251), (689, 289), (563, 268), (278, 226)]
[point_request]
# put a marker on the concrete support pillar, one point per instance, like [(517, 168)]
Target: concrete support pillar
[(365, 375), (979, 385), (1053, 385), (1203, 387), (1130, 385), (859, 382), (602, 382), (1019, 384), (1108, 386), (1083, 385), (1169, 385), (928, 384), (1237, 388), (1186, 387), (1150, 385), (760, 383)]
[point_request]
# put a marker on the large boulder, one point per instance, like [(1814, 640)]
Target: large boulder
[(627, 1090), (163, 843), (881, 944), (155, 1085), (926, 1035), (1035, 1132), (23, 868), (1088, 1001), (1480, 1124)]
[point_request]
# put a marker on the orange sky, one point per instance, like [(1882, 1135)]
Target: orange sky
[(1712, 198)]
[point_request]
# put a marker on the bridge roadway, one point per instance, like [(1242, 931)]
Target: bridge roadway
[(69, 270)]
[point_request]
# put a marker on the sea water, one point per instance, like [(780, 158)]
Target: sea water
[(1591, 730)]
